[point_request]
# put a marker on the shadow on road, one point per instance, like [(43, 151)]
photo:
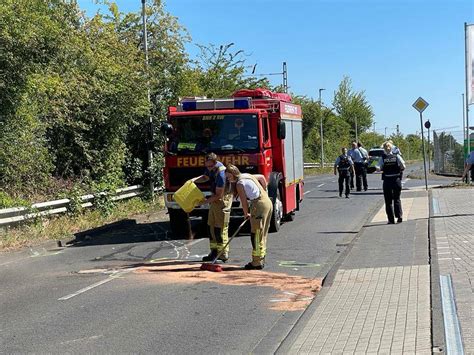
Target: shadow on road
[(129, 231)]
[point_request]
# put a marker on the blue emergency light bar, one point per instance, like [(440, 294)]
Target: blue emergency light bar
[(217, 104)]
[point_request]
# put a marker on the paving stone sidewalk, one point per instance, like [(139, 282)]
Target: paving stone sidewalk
[(379, 299), (454, 233)]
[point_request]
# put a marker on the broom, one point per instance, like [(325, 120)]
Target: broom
[(215, 267)]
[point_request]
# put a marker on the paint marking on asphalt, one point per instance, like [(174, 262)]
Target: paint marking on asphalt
[(321, 185), (94, 337), (94, 285), (307, 192), (436, 209)]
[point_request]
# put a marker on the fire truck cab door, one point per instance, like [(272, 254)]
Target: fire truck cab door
[(266, 142)]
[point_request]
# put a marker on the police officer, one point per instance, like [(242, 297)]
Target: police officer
[(345, 166), (353, 154), (220, 203), (392, 166), (253, 188), (363, 167), (395, 149), (469, 167)]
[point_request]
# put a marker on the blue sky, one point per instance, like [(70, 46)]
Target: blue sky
[(395, 51)]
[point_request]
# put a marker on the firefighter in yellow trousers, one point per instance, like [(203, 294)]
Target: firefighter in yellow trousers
[(220, 204), (253, 188)]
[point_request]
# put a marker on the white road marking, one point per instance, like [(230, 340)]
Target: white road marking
[(94, 285), (281, 300), (307, 192), (94, 337), (321, 185)]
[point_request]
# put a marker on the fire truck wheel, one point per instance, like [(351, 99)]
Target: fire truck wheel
[(178, 223), (277, 215)]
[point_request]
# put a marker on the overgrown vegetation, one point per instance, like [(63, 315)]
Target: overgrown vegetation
[(74, 106), (64, 227)]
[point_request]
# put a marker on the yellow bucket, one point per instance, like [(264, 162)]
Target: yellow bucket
[(188, 196)]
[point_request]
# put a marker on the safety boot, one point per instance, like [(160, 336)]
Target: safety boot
[(224, 257), (251, 266), (212, 255)]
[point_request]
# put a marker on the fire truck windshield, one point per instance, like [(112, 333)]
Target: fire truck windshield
[(217, 133)]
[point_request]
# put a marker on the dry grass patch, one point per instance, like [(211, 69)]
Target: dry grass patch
[(65, 226)]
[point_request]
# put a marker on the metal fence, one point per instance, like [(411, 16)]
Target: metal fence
[(448, 152), (17, 215)]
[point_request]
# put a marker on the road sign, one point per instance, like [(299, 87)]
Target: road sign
[(420, 105), (427, 124)]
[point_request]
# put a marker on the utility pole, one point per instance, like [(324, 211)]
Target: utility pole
[(468, 99), (398, 130), (150, 118), (321, 122), (385, 133), (357, 137), (285, 76), (427, 126), (464, 130)]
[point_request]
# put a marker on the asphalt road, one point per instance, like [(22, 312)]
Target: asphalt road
[(129, 288)]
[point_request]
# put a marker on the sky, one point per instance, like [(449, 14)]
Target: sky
[(394, 51)]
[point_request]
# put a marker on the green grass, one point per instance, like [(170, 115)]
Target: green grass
[(64, 226), (318, 171)]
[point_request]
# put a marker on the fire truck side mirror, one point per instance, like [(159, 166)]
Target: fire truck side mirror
[(281, 132), (166, 128)]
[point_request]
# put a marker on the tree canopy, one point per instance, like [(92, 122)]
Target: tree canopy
[(74, 102)]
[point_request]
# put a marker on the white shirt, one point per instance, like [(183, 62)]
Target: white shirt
[(251, 190)]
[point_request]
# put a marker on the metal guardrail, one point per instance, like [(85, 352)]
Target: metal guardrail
[(16, 215), (317, 165)]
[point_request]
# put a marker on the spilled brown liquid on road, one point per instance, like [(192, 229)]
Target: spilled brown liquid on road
[(295, 292)]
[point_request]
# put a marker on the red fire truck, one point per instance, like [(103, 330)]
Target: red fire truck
[(257, 130)]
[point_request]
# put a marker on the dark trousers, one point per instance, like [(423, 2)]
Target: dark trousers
[(392, 189), (361, 176), (472, 172), (344, 177), (352, 178)]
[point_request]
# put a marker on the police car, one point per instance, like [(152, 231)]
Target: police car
[(374, 155)]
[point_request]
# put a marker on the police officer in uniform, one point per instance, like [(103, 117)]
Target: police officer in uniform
[(220, 204), (469, 167), (392, 166), (363, 166), (345, 166), (354, 155), (253, 188)]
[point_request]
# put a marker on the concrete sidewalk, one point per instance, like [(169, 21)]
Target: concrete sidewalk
[(378, 301), (453, 229)]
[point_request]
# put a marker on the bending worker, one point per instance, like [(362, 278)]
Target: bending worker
[(392, 166), (220, 203), (345, 166), (253, 188)]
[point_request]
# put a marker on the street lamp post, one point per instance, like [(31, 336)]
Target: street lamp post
[(321, 122), (150, 118)]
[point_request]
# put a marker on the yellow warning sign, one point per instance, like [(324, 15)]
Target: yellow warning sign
[(420, 105)]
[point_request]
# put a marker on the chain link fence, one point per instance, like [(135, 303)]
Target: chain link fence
[(448, 152)]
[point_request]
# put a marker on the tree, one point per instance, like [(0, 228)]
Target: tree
[(352, 106), (222, 71)]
